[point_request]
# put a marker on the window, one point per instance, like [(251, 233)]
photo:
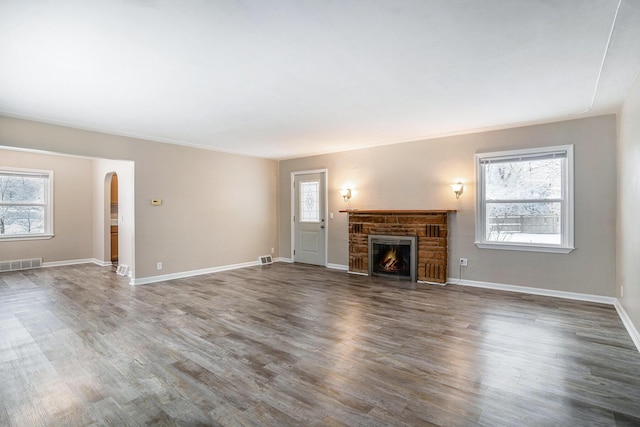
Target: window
[(25, 204), (525, 199)]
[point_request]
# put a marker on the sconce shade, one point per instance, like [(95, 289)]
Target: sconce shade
[(457, 188), (346, 194)]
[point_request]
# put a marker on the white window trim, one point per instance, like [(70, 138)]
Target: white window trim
[(48, 233), (567, 244)]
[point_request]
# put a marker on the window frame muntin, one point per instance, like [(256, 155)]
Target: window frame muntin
[(48, 205), (567, 202)]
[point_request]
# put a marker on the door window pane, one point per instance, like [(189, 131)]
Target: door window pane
[(309, 201)]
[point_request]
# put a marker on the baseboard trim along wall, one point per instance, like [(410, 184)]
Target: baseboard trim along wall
[(76, 262), (183, 274), (340, 267), (626, 320), (103, 263), (357, 273), (628, 324), (533, 291)]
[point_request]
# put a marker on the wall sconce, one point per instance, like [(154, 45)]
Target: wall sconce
[(457, 188), (346, 194)]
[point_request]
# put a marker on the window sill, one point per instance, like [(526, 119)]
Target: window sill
[(525, 248), (21, 238)]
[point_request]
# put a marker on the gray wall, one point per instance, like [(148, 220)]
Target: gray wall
[(629, 205), (417, 175), (218, 209), (72, 204)]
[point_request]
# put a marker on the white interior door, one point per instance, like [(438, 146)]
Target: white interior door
[(309, 221)]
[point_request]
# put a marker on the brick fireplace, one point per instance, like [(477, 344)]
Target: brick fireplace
[(429, 227)]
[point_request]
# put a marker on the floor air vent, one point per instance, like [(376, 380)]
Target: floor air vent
[(20, 264), (123, 270), (266, 259)]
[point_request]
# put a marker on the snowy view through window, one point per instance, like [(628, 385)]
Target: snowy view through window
[(524, 201), (23, 199)]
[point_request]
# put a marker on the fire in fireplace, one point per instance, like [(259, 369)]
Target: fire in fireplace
[(393, 256), (393, 261)]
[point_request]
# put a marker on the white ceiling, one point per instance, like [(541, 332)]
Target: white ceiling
[(289, 78)]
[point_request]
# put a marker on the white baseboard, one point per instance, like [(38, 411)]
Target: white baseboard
[(357, 273), (183, 274), (102, 263), (74, 262), (626, 320), (628, 324), (329, 265), (534, 291), (431, 283)]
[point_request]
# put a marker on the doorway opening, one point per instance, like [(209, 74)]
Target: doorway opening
[(113, 209)]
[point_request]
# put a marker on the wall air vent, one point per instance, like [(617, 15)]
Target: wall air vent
[(266, 259), (20, 264)]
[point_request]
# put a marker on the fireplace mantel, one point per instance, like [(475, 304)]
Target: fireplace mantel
[(396, 212), (430, 227)]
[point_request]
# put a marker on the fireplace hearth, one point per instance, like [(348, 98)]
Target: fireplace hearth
[(393, 256)]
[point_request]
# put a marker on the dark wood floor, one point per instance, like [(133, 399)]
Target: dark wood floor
[(300, 345)]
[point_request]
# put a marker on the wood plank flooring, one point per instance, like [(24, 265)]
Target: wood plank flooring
[(287, 344)]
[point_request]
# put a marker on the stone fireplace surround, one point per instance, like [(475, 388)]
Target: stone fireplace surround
[(430, 227)]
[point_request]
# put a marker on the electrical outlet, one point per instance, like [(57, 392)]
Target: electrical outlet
[(273, 250), (463, 262), (621, 291), (159, 266)]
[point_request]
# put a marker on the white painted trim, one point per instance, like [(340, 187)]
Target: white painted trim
[(533, 291), (340, 267), (626, 320), (183, 274), (282, 259), (567, 202), (432, 283), (357, 273), (103, 263), (524, 247), (48, 205), (74, 262), (326, 210), (22, 237)]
